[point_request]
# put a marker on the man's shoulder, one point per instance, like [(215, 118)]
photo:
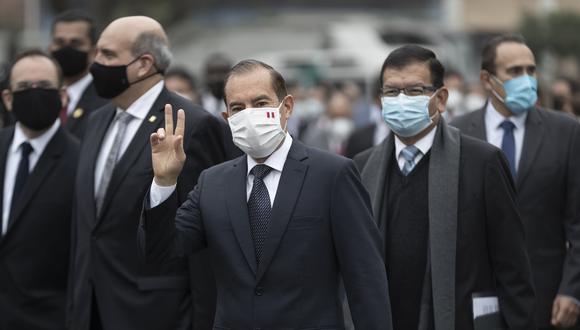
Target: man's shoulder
[(556, 119), (465, 120), (192, 111), (325, 159), (477, 150)]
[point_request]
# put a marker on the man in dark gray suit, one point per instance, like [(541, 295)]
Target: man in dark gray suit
[(445, 205), (284, 224), (543, 150)]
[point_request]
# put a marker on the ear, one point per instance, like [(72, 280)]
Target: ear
[(7, 98), (287, 107), (64, 99), (225, 115), (441, 97), (485, 78), (146, 63)]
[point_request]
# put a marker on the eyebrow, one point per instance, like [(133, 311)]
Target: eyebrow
[(107, 51), (254, 100)]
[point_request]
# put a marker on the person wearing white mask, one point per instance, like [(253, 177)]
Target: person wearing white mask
[(285, 223), (445, 204)]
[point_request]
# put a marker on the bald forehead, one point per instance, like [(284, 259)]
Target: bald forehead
[(513, 53)]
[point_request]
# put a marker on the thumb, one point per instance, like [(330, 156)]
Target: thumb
[(555, 310)]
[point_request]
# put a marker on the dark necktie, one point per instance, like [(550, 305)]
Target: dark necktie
[(508, 144), (259, 208), (22, 173)]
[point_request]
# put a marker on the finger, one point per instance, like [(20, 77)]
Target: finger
[(178, 147), (154, 138), (180, 126), (161, 134), (555, 310), (169, 119), (562, 315)]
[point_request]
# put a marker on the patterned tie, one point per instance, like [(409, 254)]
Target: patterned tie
[(409, 153), (123, 118), (259, 208), (22, 173), (508, 144)]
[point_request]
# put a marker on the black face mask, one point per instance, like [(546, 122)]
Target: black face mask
[(111, 81), (72, 61), (36, 108)]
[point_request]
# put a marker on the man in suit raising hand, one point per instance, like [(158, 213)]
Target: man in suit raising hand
[(284, 223)]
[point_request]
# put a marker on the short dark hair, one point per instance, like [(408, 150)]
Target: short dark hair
[(410, 54), (489, 51), (36, 53), (182, 73), (245, 66), (74, 15)]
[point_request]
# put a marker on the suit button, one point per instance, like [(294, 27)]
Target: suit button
[(259, 291)]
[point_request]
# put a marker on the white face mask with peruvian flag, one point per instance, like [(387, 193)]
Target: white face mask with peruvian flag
[(257, 131)]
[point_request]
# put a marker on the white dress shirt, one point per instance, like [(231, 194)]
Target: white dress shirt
[(276, 161), (139, 110), (13, 160), (75, 91), (494, 132), (424, 145)]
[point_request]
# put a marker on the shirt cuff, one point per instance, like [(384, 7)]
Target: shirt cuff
[(159, 194)]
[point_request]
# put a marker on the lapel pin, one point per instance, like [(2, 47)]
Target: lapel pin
[(152, 119), (78, 113)]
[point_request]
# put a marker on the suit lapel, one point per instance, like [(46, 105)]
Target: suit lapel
[(532, 141), (94, 140), (135, 149), (287, 194), (235, 192), (43, 168), (5, 142)]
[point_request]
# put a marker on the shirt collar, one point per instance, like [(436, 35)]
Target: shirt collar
[(141, 107), (424, 144), (38, 143), (493, 118), (277, 158), (80, 85)]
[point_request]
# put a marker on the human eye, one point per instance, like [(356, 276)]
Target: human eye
[(390, 92), (414, 91)]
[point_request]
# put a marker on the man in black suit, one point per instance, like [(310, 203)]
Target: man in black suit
[(112, 289), (73, 42), (37, 165), (284, 224), (445, 205), (543, 150)]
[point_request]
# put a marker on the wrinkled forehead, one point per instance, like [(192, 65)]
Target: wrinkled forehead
[(412, 74)]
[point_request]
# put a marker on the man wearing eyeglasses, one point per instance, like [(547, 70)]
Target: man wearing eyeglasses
[(446, 207), (542, 148), (37, 165)]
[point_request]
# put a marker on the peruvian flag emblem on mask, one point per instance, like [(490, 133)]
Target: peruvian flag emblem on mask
[(270, 114)]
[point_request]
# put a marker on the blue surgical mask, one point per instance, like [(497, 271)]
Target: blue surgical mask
[(406, 115), (521, 93)]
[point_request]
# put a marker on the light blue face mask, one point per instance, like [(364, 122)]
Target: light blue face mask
[(521, 93), (406, 115)]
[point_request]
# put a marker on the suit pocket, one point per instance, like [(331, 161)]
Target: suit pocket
[(306, 222), (163, 283)]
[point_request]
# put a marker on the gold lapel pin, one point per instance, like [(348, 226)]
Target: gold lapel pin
[(152, 119), (78, 113)]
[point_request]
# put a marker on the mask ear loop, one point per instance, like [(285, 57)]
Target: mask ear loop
[(279, 106)]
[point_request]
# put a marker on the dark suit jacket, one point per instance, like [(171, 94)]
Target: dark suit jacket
[(34, 252), (360, 140), (476, 235), (321, 228), (548, 185), (77, 121), (130, 294)]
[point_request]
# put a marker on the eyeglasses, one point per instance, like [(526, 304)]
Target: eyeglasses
[(409, 91)]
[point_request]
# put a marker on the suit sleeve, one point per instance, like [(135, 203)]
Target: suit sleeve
[(505, 236), (570, 284), (166, 231), (359, 250)]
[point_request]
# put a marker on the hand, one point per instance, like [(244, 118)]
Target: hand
[(167, 149), (565, 312)]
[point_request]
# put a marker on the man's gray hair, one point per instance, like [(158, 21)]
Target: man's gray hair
[(150, 43)]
